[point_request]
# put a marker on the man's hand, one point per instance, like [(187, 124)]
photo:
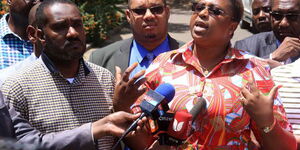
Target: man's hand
[(290, 47), (115, 124), (128, 90), (258, 106)]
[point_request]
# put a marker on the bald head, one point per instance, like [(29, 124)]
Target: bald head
[(285, 3), (31, 17)]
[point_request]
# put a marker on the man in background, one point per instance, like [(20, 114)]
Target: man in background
[(37, 48), (288, 76), (14, 43), (62, 94), (282, 44), (148, 20), (261, 15)]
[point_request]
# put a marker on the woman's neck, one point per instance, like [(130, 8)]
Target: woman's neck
[(210, 56)]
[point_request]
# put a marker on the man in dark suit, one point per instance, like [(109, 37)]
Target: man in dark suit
[(148, 20), (282, 44)]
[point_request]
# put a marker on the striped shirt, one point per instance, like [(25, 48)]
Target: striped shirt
[(52, 104), (289, 77), (12, 48)]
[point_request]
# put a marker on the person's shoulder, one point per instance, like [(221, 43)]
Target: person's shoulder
[(111, 48), (257, 37), (25, 75), (289, 69), (254, 60), (167, 55), (100, 55), (98, 70), (175, 44), (171, 56)]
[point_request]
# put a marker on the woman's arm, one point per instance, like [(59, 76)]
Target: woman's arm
[(261, 110)]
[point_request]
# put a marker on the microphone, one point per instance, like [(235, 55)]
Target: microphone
[(181, 127), (199, 108), (163, 94), (161, 123)]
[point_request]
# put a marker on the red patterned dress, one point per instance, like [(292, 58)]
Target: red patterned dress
[(226, 126)]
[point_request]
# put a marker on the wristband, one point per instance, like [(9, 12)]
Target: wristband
[(269, 128)]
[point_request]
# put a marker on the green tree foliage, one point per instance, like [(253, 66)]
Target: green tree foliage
[(99, 16)]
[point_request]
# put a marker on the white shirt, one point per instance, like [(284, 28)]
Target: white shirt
[(289, 77)]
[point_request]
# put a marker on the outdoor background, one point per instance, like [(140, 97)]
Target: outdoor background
[(105, 22)]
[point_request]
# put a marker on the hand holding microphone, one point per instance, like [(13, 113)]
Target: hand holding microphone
[(162, 94)]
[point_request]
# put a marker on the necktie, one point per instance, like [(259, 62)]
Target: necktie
[(150, 57)]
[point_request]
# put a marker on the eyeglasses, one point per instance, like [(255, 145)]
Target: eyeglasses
[(264, 9), (289, 16), (154, 10), (198, 7)]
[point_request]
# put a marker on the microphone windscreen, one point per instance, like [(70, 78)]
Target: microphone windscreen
[(181, 125), (167, 90), (198, 108)]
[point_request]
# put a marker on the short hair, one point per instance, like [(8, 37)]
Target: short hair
[(129, 3), (237, 10), (40, 14)]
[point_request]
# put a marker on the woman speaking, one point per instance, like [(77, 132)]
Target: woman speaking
[(209, 66)]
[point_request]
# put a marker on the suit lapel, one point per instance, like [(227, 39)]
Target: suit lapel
[(173, 44), (122, 57), (270, 44)]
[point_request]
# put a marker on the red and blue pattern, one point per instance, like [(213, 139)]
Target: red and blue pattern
[(226, 125)]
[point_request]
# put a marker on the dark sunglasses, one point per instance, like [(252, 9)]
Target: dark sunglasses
[(198, 7), (154, 10), (289, 16), (264, 9)]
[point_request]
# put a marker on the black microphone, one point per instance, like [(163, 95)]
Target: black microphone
[(181, 127), (199, 108), (164, 93)]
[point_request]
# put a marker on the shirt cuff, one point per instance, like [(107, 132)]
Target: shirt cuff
[(92, 135), (270, 57)]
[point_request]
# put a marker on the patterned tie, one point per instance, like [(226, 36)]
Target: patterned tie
[(150, 57)]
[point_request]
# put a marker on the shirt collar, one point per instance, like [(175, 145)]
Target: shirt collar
[(185, 54), (142, 52), (4, 28), (51, 67)]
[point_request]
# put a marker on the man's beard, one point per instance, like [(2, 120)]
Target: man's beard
[(60, 54), (150, 36)]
